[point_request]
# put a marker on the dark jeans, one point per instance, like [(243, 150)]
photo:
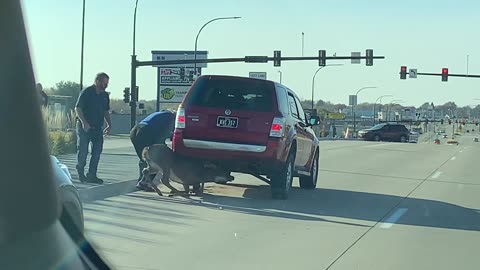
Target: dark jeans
[(94, 136)]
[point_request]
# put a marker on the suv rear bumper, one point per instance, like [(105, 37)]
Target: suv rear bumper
[(244, 158), (208, 145)]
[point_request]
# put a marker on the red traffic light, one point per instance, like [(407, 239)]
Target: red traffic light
[(444, 74), (403, 72)]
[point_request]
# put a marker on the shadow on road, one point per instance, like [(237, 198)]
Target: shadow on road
[(319, 204), (356, 205)]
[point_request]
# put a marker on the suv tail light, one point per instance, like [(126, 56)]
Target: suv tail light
[(180, 121), (278, 127)]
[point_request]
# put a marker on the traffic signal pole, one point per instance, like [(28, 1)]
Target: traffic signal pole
[(133, 93), (247, 59)]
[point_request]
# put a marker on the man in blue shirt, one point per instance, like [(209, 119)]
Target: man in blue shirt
[(92, 109), (154, 129)]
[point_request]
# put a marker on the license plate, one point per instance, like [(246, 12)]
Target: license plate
[(227, 122)]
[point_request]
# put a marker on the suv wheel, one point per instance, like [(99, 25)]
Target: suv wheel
[(282, 180), (403, 139), (376, 138), (310, 182)]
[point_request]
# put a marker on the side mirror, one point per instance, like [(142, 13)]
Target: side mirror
[(314, 120)]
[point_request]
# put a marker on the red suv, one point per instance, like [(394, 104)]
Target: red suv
[(249, 126)]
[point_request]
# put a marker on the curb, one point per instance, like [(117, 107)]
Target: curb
[(107, 190)]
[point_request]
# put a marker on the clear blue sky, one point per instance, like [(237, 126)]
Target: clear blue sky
[(426, 35)]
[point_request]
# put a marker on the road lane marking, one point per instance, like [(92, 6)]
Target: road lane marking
[(393, 218), (436, 175), (377, 145), (453, 158)]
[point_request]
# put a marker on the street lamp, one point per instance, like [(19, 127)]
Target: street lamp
[(353, 110), (378, 99), (82, 45), (198, 34), (313, 79), (391, 104), (280, 72), (133, 85)]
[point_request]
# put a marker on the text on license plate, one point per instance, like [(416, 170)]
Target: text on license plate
[(227, 122)]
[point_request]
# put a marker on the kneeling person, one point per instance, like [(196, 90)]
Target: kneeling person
[(154, 129)]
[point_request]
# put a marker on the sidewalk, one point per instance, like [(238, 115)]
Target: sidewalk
[(118, 168)]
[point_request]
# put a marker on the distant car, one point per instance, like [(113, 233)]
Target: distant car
[(445, 136), (413, 138), (385, 132), (69, 198), (249, 126), (475, 139)]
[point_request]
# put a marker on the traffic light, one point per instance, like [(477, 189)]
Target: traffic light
[(126, 95), (369, 58), (276, 58), (444, 74), (403, 72), (141, 106), (322, 60), (182, 73)]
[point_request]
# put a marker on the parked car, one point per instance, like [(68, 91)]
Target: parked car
[(250, 126), (385, 132), (413, 137), (69, 198)]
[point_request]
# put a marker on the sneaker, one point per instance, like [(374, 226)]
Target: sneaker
[(144, 187), (94, 180), (82, 177)]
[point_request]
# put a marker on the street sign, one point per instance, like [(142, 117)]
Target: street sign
[(335, 116), (352, 100), (412, 73), (356, 54), (180, 55), (258, 75)]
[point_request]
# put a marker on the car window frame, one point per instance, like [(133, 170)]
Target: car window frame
[(289, 94)]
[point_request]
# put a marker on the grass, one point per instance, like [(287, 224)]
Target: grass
[(60, 128)]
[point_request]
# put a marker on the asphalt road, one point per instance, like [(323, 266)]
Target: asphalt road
[(376, 206)]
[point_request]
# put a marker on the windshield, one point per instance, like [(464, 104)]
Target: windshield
[(236, 94), (377, 127), (234, 134)]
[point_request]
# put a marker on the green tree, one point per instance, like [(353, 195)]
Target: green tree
[(69, 90)]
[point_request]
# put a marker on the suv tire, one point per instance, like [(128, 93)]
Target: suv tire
[(310, 182), (377, 138), (403, 138), (282, 180)]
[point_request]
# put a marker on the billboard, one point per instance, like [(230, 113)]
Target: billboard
[(172, 76), (173, 93)]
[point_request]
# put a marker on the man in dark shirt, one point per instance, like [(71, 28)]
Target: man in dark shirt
[(43, 95), (92, 109), (154, 129)]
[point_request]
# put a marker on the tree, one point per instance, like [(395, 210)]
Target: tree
[(69, 90)]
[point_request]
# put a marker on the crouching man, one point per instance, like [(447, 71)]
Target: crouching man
[(154, 129)]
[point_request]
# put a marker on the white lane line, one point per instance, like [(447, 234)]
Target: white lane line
[(393, 218), (461, 151), (436, 175), (376, 145), (453, 158)]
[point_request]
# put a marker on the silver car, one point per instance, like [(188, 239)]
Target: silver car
[(69, 198)]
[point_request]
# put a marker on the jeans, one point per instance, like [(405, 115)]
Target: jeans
[(94, 136)]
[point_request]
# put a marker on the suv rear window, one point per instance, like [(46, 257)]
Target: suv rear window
[(232, 93)]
